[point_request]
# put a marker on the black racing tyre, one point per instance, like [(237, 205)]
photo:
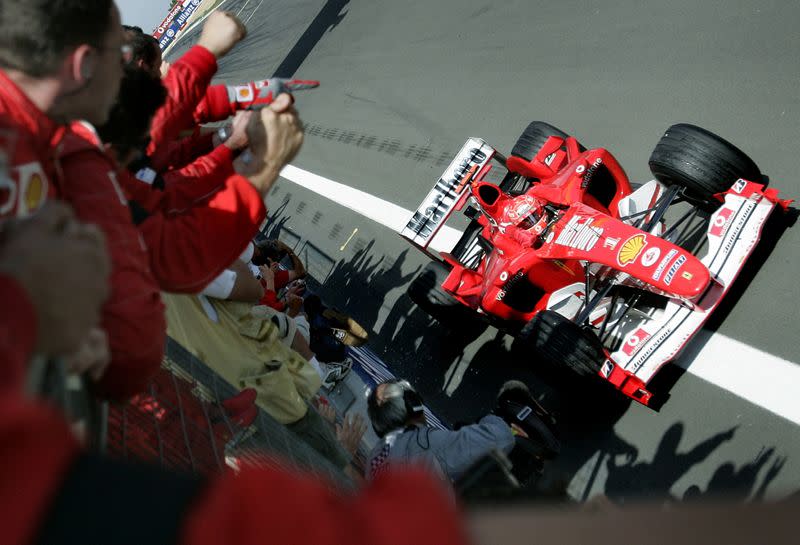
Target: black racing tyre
[(700, 161), (560, 341), (427, 292), (533, 138)]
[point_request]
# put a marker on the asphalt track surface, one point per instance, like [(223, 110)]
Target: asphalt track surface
[(405, 83)]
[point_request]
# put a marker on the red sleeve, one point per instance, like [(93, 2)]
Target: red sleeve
[(17, 333), (133, 317), (182, 152), (199, 179), (145, 195), (399, 508), (188, 250), (185, 187), (215, 106), (36, 450), (186, 83), (270, 299)]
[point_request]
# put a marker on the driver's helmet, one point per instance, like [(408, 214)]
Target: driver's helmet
[(524, 211)]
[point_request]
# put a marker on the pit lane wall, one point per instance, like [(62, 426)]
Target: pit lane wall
[(176, 21)]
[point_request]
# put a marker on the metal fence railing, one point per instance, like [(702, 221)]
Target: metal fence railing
[(180, 423)]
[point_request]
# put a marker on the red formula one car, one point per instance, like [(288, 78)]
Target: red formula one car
[(563, 253)]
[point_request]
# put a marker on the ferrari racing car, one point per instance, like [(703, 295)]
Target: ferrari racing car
[(562, 252)]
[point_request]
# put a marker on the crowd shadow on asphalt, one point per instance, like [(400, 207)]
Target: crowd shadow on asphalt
[(653, 481), (276, 221), (734, 484), (366, 277), (636, 480)]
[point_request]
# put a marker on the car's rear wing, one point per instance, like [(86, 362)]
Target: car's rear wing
[(471, 163)]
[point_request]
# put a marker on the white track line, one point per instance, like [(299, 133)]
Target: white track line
[(253, 12), (387, 214), (759, 377), (242, 8)]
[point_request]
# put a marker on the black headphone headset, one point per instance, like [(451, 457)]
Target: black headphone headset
[(414, 407), (394, 413), (411, 399)]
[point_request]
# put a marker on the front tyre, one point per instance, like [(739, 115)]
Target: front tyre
[(701, 162), (562, 342), (534, 137)]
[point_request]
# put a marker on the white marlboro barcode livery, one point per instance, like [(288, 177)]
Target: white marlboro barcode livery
[(448, 192)]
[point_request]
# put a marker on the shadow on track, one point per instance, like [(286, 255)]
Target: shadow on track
[(328, 18), (730, 483), (654, 480)]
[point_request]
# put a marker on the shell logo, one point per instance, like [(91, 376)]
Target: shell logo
[(631, 249), (34, 193), (244, 93)]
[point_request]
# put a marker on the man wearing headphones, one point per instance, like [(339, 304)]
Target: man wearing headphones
[(397, 415), (396, 411)]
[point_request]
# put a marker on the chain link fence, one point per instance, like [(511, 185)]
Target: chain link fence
[(180, 422)]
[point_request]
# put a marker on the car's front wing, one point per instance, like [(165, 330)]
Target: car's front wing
[(650, 342)]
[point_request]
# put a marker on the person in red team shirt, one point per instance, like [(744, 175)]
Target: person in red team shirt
[(187, 82), (192, 231), (39, 315), (175, 250), (53, 158), (51, 491), (44, 83), (218, 103)]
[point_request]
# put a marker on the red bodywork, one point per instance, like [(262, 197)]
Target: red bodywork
[(587, 229), (567, 221)]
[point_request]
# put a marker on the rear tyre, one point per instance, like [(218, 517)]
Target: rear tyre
[(562, 342), (427, 292), (701, 162), (534, 137)]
